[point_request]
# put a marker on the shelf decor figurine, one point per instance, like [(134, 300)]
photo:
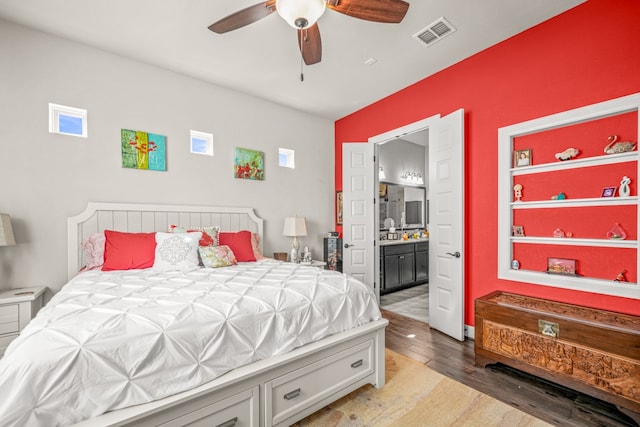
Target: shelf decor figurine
[(618, 147), (621, 276), (558, 233), (517, 192), (616, 232), (624, 187), (567, 154)]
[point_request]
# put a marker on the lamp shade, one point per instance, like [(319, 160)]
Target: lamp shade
[(300, 13), (6, 232), (294, 226)]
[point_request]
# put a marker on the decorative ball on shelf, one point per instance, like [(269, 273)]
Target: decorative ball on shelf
[(515, 264), (567, 154), (624, 187), (558, 232)]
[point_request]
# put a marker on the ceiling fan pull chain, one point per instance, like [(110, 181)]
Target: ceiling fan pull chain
[(301, 55)]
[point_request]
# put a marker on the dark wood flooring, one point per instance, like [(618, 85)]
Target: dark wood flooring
[(550, 402)]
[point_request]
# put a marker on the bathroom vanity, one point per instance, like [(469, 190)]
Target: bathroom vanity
[(403, 264)]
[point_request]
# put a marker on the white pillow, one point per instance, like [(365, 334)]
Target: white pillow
[(176, 251)]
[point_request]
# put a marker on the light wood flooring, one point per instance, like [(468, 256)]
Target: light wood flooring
[(550, 402), (412, 302)]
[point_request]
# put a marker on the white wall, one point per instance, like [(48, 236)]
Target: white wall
[(398, 156), (45, 178)]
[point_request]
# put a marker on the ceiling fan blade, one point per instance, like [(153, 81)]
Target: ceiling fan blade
[(244, 17), (310, 44), (388, 11)]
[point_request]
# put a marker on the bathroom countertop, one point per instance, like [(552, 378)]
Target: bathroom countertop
[(402, 242)]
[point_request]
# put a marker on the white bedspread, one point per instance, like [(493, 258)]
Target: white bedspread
[(109, 340)]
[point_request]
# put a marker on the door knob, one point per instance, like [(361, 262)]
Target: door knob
[(456, 254), (347, 246)]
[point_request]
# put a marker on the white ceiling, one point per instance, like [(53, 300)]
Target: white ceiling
[(262, 59)]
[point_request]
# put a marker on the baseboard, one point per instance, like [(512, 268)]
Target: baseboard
[(470, 332)]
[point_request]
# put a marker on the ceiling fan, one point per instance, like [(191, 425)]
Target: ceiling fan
[(304, 14)]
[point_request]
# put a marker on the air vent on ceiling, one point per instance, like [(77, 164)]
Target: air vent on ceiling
[(434, 32)]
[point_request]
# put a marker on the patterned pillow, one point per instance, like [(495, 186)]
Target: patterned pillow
[(93, 247), (217, 256), (255, 244), (176, 252), (209, 234)]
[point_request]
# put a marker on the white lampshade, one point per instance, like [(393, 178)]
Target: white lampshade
[(294, 226), (300, 13), (6, 232)]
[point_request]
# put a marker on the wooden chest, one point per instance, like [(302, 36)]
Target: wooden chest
[(594, 351)]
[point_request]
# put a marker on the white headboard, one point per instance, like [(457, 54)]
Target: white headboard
[(142, 218)]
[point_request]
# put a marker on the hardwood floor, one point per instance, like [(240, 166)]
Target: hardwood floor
[(550, 402)]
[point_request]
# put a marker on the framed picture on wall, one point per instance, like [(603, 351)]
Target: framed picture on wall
[(339, 207)]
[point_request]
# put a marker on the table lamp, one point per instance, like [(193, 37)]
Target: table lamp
[(294, 226), (6, 232)]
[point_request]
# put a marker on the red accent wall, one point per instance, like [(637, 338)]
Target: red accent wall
[(586, 55)]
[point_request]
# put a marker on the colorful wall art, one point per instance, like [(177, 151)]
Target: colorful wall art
[(248, 164), (142, 150)]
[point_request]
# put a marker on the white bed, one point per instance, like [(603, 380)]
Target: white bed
[(277, 390)]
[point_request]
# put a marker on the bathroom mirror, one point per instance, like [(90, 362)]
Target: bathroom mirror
[(403, 206)]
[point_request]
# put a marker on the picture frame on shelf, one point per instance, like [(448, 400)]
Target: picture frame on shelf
[(517, 231), (609, 192), (522, 158), (562, 266)]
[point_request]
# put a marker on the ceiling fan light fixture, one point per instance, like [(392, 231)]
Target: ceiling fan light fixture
[(300, 14)]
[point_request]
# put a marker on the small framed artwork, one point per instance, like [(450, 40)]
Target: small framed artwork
[(608, 192), (339, 207), (517, 231), (248, 164), (563, 266), (143, 150), (522, 158)]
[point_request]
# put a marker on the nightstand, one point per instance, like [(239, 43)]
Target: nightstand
[(315, 263), (17, 308)]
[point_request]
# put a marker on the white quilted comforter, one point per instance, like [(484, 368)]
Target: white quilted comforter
[(109, 340)]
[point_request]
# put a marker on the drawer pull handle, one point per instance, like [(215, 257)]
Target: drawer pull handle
[(357, 364), (232, 422), (292, 394)]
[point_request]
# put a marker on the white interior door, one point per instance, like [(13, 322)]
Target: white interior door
[(446, 225), (358, 231)]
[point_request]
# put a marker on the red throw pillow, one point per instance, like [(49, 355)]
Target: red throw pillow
[(240, 244), (125, 251)]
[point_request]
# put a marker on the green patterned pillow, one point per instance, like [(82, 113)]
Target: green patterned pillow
[(217, 256), (209, 234)]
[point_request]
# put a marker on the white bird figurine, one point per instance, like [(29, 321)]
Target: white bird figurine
[(615, 147), (624, 187), (567, 154)]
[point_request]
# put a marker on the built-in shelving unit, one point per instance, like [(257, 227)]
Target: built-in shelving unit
[(507, 206)]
